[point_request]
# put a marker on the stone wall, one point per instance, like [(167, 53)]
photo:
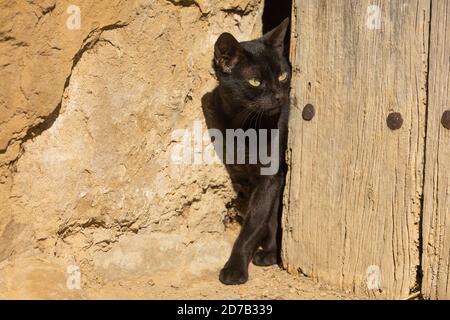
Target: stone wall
[(86, 122)]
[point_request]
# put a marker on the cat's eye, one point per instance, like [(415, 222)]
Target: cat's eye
[(254, 82), (283, 76)]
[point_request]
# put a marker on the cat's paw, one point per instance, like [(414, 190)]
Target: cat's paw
[(265, 258), (230, 275)]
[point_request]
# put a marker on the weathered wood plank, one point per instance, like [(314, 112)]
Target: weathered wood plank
[(436, 216), (353, 195)]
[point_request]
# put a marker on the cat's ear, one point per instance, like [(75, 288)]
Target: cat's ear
[(275, 38), (227, 52)]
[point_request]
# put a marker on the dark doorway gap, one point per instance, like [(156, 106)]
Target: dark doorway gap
[(275, 11)]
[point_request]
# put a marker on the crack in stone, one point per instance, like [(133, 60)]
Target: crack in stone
[(238, 11), (184, 3), (88, 43), (189, 3)]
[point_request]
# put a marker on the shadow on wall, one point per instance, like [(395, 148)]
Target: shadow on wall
[(241, 176)]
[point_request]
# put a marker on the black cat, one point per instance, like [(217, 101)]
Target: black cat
[(253, 93)]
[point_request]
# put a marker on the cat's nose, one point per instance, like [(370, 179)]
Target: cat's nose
[(278, 97)]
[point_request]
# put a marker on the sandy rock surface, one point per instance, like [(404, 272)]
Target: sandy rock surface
[(86, 123)]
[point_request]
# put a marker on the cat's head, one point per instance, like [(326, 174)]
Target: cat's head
[(254, 74)]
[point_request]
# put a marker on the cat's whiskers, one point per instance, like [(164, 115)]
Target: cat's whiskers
[(243, 113), (256, 119), (249, 117), (260, 118)]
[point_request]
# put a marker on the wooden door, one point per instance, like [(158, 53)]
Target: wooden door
[(352, 205), (436, 213)]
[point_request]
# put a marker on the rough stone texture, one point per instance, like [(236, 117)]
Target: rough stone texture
[(86, 118)]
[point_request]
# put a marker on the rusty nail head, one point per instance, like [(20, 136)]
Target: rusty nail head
[(446, 119), (308, 112), (394, 121)]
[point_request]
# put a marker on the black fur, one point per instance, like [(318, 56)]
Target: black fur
[(239, 104)]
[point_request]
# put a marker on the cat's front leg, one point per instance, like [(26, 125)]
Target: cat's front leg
[(268, 254), (262, 202)]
